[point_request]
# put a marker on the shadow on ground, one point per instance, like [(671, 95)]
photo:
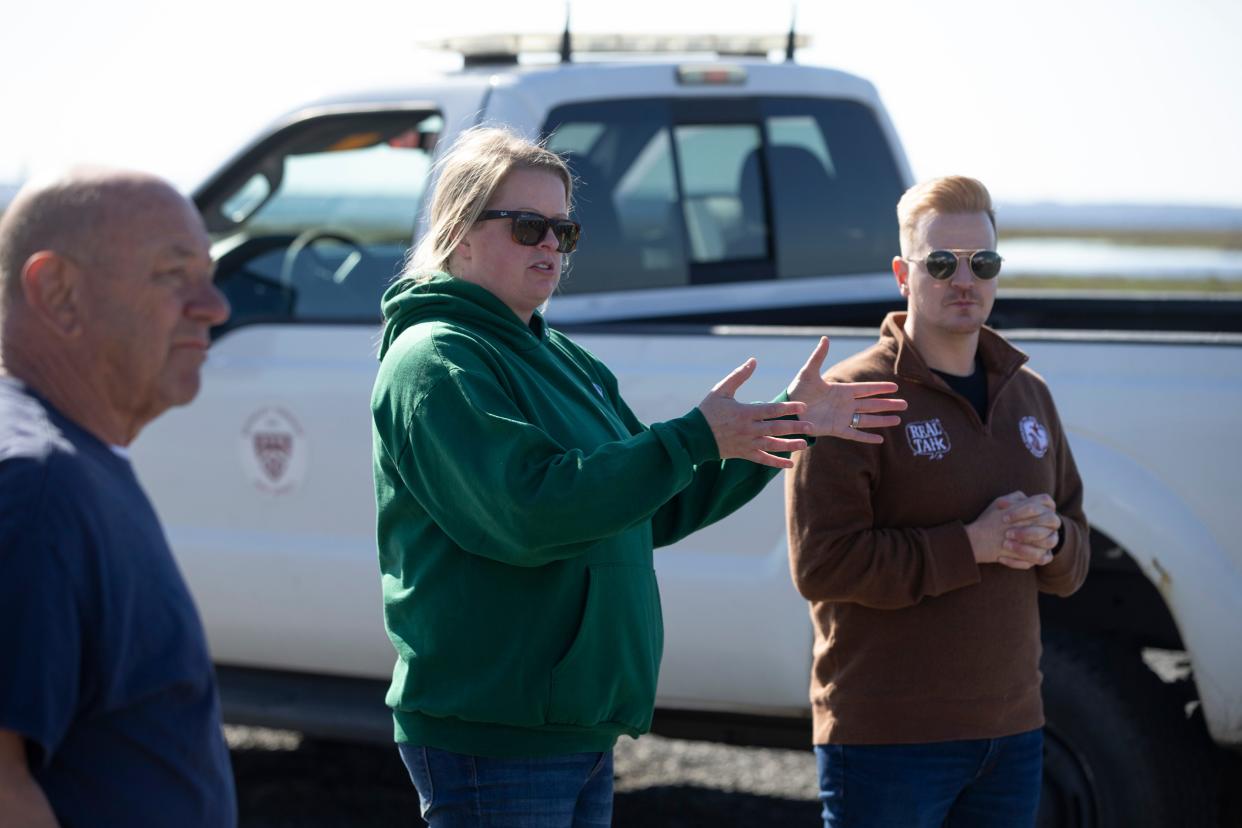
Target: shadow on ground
[(315, 784), (285, 781)]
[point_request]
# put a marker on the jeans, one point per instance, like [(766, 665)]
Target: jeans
[(571, 790), (975, 783)]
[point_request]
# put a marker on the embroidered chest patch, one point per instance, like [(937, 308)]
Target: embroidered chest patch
[(1034, 436), (928, 438)]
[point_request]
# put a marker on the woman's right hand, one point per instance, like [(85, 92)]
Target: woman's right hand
[(750, 430)]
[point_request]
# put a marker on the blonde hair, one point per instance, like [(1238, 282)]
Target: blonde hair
[(950, 194), (466, 178)]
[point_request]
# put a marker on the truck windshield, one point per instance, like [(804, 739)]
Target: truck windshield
[(315, 222)]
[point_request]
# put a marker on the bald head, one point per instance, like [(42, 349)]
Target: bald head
[(77, 215), (108, 297)]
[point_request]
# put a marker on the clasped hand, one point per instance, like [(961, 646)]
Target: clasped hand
[(1016, 530)]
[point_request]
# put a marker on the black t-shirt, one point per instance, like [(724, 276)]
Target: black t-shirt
[(104, 666), (974, 387)]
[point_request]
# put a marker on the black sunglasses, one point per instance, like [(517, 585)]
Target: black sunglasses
[(941, 264), (530, 228)]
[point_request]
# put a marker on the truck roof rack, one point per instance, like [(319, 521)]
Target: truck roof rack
[(482, 50)]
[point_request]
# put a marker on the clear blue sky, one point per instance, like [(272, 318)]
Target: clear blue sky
[(1067, 100)]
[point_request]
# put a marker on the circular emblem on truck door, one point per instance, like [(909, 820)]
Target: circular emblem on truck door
[(273, 451), (1034, 436)]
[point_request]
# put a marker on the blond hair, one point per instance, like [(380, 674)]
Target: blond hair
[(466, 178), (950, 194)]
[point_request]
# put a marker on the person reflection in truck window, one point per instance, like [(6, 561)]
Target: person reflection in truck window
[(109, 710), (519, 500), (923, 560)]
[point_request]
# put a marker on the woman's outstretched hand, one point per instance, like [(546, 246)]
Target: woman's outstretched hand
[(750, 430), (843, 409)]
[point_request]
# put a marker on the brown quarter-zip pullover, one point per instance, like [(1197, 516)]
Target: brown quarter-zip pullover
[(914, 641)]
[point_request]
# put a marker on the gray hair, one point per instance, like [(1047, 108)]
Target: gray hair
[(68, 214)]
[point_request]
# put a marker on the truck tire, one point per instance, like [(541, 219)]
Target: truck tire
[(1119, 749)]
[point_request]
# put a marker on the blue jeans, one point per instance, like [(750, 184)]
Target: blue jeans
[(975, 783), (572, 790)]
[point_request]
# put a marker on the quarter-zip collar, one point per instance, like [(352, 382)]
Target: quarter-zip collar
[(1001, 360)]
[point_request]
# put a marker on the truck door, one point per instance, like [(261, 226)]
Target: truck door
[(264, 483)]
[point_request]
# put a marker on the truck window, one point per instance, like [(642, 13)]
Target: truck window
[(722, 203), (673, 192), (625, 196), (317, 224), (834, 188)]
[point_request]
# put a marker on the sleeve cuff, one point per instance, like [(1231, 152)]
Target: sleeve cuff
[(1062, 563), (950, 560), (1060, 540), (696, 436)]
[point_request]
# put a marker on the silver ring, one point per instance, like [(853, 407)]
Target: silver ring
[(855, 420)]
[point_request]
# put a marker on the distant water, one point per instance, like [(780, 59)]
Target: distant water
[(1088, 257), (1053, 218)]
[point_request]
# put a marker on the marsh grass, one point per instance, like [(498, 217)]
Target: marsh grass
[(1123, 283), (1222, 239)]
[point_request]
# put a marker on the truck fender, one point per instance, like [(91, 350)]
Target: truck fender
[(1185, 562)]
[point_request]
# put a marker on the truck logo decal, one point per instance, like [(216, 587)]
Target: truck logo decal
[(1034, 436), (928, 438), (273, 451)]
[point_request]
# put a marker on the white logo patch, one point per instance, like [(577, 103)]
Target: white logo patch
[(928, 439), (1034, 436)]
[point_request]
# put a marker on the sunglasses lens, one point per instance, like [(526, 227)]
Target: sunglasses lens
[(566, 233), (986, 264), (941, 264), (529, 230)]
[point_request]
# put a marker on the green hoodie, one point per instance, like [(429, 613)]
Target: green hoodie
[(519, 500)]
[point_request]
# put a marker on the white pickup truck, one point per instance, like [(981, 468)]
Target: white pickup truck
[(732, 207)]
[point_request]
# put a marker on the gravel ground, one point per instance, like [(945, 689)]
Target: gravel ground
[(284, 780)]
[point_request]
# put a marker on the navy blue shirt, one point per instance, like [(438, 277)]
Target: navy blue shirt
[(104, 666), (974, 388)]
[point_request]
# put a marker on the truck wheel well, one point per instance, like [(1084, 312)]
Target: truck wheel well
[(1114, 728), (1117, 599)]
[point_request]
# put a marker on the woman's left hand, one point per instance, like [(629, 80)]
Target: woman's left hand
[(843, 409)]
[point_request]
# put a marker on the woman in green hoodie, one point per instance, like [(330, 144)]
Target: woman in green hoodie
[(519, 500)]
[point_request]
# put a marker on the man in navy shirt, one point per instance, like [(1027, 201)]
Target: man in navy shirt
[(109, 713)]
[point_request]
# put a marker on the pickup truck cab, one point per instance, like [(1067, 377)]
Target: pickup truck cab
[(732, 207)]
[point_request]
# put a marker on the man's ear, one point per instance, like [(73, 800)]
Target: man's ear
[(51, 286), (901, 271)]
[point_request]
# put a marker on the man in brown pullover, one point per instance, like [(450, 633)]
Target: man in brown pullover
[(923, 557)]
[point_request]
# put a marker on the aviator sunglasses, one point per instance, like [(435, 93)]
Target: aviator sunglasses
[(529, 229), (941, 264)]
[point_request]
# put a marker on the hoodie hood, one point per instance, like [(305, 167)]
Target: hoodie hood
[(446, 298)]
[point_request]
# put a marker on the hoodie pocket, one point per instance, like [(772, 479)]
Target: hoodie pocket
[(609, 673)]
